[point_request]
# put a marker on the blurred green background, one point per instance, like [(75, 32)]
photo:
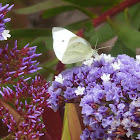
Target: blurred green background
[(32, 21)]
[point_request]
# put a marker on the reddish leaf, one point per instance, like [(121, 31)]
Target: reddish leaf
[(79, 109), (45, 137), (53, 123), (80, 33), (3, 130), (60, 67)]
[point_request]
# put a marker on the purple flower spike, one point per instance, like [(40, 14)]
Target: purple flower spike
[(31, 124), (10, 7), (10, 64), (3, 11), (6, 20)]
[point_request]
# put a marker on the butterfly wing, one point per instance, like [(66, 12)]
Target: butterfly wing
[(61, 38), (78, 49)]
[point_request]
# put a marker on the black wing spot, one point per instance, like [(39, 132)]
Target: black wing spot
[(62, 40)]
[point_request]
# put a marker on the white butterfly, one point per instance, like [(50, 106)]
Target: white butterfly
[(70, 48)]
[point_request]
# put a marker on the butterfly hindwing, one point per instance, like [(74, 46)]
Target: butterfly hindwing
[(78, 49)]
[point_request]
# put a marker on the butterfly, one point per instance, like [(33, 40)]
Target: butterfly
[(70, 48)]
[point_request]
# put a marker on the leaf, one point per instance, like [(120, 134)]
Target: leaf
[(50, 63), (46, 136), (60, 67), (43, 44), (136, 16), (66, 132), (11, 110), (76, 26), (3, 130), (71, 117), (104, 33), (120, 48), (73, 122), (55, 11), (53, 123), (40, 43), (91, 3), (52, 8), (90, 34), (129, 36), (41, 6), (26, 33), (49, 43), (133, 15)]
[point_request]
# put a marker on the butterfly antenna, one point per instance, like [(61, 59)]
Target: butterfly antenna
[(104, 47), (96, 43)]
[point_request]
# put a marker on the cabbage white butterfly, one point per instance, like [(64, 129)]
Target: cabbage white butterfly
[(70, 48)]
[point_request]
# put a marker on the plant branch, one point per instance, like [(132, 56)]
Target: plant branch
[(113, 11)]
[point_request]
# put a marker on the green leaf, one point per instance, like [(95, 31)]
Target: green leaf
[(49, 42), (65, 133), (41, 6), (4, 2), (120, 48), (29, 33), (89, 33), (43, 44), (52, 8), (91, 3), (133, 13), (47, 70), (50, 63), (129, 36), (72, 127), (135, 18), (76, 26), (22, 42), (40, 43), (55, 11), (105, 33)]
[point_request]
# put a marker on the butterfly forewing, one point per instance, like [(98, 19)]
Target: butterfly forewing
[(61, 38)]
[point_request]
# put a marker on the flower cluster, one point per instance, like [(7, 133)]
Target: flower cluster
[(108, 90), (17, 63), (3, 11), (29, 101)]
